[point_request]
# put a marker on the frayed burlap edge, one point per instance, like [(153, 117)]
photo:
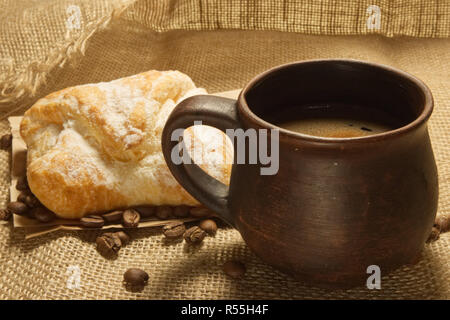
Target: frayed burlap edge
[(20, 86)]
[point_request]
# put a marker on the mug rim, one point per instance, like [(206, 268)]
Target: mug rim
[(418, 121)]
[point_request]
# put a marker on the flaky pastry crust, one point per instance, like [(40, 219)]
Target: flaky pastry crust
[(97, 147)]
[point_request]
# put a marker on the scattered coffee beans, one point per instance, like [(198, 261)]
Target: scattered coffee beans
[(130, 218), (200, 212), (442, 223), (5, 141), (18, 208), (194, 235), (22, 183), (434, 235), (146, 211), (115, 216), (234, 269), (92, 221), (108, 244), (42, 214), (163, 212), (5, 214), (124, 238), (135, 279), (174, 230), (181, 211), (209, 226)]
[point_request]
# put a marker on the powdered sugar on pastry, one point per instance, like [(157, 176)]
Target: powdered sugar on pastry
[(97, 147)]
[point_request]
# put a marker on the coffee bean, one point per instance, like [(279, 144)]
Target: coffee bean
[(434, 235), (19, 208), (115, 216), (234, 269), (146, 211), (22, 183), (5, 141), (200, 212), (442, 223), (124, 238), (5, 214), (108, 244), (22, 197), (194, 235), (42, 214), (31, 201), (163, 212), (135, 279), (92, 221), (209, 226), (174, 230), (181, 211), (130, 218)]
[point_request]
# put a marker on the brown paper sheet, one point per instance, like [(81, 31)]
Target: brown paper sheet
[(35, 228)]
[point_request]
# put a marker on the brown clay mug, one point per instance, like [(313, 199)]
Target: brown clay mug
[(336, 205)]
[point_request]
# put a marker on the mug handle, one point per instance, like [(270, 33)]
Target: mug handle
[(214, 111)]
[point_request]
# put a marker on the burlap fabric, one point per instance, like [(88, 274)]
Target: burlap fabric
[(189, 36)]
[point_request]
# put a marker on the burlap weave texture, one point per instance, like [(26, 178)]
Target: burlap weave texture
[(218, 60)]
